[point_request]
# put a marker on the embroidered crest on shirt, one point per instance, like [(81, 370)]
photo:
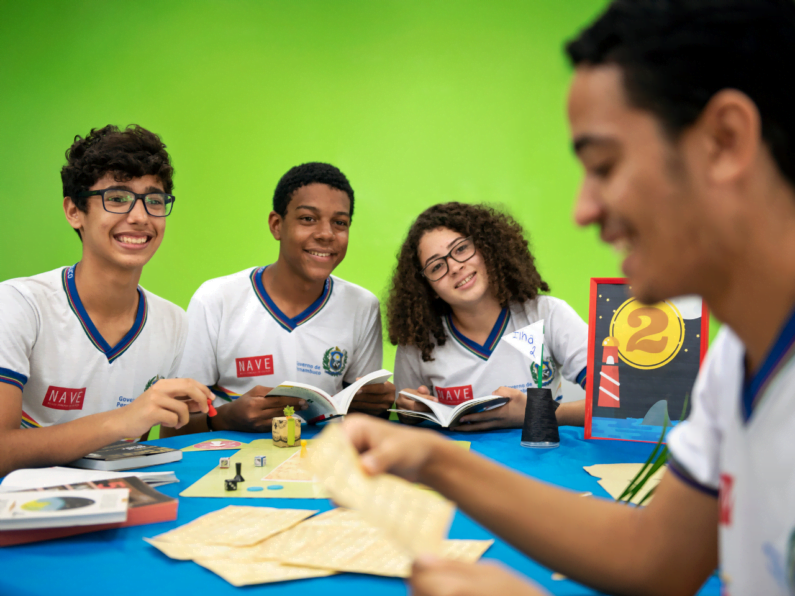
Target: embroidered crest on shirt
[(152, 381), (334, 361), (549, 372)]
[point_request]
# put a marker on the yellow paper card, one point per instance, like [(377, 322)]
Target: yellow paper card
[(417, 520), (615, 478), (247, 573), (235, 526)]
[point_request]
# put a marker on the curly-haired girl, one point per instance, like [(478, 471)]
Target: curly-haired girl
[(464, 279)]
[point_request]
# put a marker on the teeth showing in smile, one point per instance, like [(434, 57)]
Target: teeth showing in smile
[(465, 280), (319, 254), (621, 246), (133, 240)]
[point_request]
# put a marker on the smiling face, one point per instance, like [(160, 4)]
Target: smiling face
[(313, 234), (126, 241), (639, 188), (465, 284)]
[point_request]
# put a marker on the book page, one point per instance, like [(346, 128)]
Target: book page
[(343, 399), (321, 405), (417, 520)]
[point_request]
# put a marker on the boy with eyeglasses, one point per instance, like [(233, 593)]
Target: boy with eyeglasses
[(289, 321), (83, 349)]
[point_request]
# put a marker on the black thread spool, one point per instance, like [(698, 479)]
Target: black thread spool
[(540, 429)]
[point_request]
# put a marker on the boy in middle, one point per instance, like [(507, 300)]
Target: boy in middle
[(289, 321)]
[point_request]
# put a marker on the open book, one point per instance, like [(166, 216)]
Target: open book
[(447, 416), (323, 406)]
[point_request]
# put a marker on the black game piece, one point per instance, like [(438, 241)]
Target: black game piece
[(230, 485), (238, 477)]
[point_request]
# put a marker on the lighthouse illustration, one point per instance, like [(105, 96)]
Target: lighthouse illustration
[(608, 375)]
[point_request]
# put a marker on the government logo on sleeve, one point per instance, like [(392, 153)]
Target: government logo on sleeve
[(334, 361)]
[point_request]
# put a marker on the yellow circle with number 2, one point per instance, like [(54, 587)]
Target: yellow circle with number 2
[(649, 336)]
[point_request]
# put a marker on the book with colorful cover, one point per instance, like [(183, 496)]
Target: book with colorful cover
[(145, 506), (123, 455)]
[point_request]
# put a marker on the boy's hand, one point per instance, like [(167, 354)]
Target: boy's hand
[(437, 577), (168, 402), (373, 399), (511, 415), (254, 411)]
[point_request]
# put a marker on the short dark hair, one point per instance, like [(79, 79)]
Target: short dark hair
[(129, 153), (309, 173), (675, 55)]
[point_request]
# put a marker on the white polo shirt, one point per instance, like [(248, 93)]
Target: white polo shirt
[(239, 338), (51, 350), (462, 369), (738, 444)]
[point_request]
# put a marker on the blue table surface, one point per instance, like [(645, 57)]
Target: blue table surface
[(119, 562)]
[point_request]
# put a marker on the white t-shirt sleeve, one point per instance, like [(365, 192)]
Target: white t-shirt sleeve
[(179, 348), (19, 325), (199, 360), (408, 369), (368, 355), (567, 334), (695, 443)]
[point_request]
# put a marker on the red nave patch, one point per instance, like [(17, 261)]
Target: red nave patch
[(255, 366), (63, 398), (726, 499), (452, 396)]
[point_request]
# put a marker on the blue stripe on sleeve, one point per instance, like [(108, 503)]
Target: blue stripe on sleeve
[(582, 377), (13, 378)]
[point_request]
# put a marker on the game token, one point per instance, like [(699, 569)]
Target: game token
[(238, 477), (223, 463), (303, 448), (260, 461), (211, 411), (254, 489), (230, 485), (275, 487)]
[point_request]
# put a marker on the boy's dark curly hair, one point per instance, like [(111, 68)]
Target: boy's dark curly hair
[(309, 173), (414, 311), (129, 153)]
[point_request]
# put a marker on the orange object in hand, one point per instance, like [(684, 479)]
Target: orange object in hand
[(212, 412)]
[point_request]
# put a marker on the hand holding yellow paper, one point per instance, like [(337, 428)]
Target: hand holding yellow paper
[(415, 519)]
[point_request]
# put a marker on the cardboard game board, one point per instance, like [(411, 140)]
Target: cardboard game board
[(283, 468), (642, 361)]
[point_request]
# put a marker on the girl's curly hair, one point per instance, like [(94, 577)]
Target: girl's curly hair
[(414, 311)]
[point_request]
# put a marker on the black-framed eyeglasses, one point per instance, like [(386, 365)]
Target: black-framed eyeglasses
[(114, 200), (438, 268)]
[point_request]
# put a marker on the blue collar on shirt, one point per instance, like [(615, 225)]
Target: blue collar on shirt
[(282, 319), (112, 353), (781, 352), (482, 351)]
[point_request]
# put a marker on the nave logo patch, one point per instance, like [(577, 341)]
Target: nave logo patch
[(64, 398), (255, 366), (452, 396)]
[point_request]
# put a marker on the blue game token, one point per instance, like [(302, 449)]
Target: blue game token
[(254, 489), (275, 487)]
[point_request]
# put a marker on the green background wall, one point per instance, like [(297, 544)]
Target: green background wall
[(417, 102)]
